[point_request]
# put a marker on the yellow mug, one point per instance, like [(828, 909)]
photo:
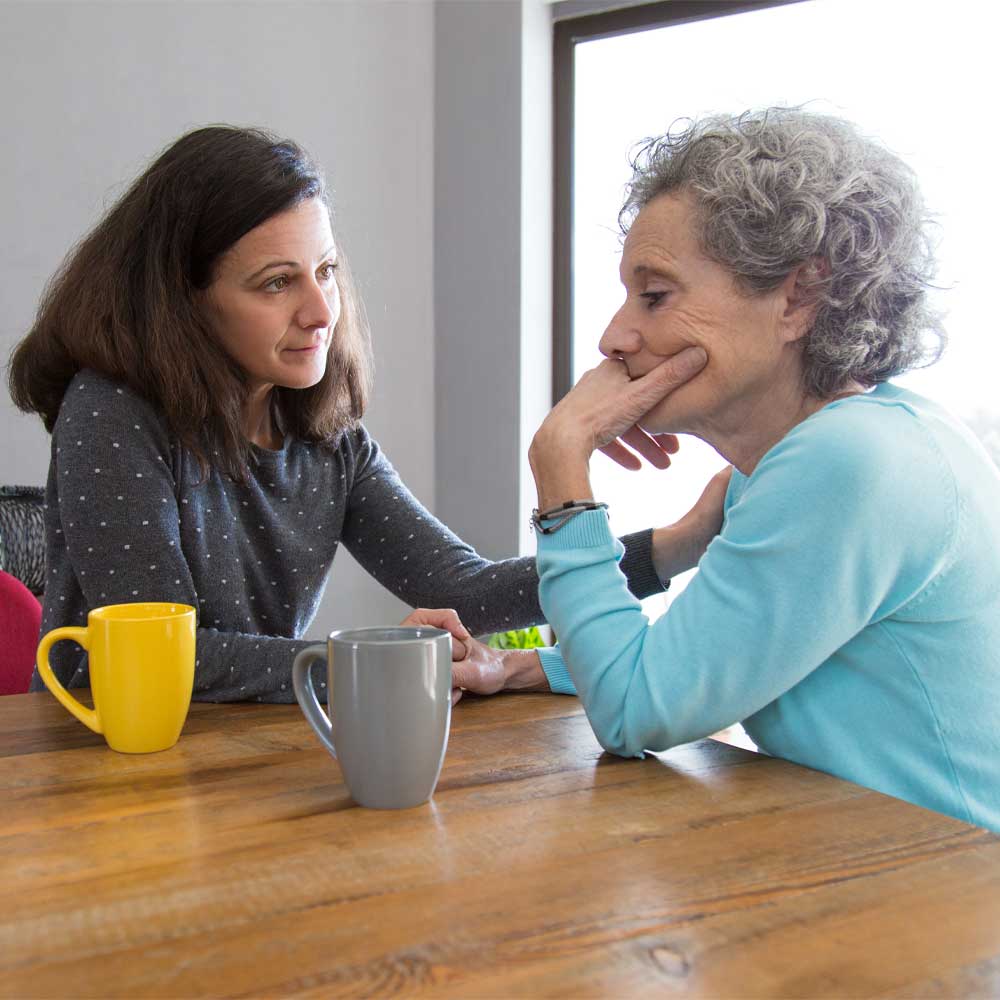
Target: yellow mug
[(141, 673)]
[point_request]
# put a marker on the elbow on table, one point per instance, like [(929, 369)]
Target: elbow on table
[(618, 736), (626, 711)]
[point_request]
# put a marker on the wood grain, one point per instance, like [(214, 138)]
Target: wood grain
[(236, 864)]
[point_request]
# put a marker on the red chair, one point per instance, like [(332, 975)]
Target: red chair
[(20, 622)]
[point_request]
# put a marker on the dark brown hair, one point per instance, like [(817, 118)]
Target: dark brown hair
[(125, 301)]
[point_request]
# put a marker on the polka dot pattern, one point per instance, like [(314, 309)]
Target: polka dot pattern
[(129, 518)]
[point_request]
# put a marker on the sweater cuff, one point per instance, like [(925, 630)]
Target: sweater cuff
[(637, 565), (555, 670), (584, 531), (591, 528)]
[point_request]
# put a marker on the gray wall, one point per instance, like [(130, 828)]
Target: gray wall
[(492, 262), (91, 90), (416, 110), (476, 268)]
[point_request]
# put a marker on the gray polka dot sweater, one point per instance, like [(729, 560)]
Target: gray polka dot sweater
[(128, 520)]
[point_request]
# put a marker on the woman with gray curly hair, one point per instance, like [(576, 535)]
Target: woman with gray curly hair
[(847, 610)]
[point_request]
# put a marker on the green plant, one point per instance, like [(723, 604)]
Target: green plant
[(522, 638)]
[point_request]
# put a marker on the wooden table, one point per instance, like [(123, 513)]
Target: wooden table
[(235, 864)]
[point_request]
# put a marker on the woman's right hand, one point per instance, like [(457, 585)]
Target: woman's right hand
[(679, 546), (446, 618), (475, 666)]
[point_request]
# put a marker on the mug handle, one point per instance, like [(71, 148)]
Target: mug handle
[(305, 693), (88, 716)]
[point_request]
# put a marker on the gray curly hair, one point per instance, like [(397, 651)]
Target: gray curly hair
[(777, 188)]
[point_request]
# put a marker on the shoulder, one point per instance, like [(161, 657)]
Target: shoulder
[(95, 403), (357, 439), (90, 390), (863, 439), (871, 464), (354, 451), (359, 448)]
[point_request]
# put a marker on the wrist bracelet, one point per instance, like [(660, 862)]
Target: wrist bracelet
[(563, 512)]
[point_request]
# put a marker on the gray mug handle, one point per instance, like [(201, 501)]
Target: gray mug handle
[(305, 693)]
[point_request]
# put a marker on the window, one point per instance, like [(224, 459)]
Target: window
[(904, 71)]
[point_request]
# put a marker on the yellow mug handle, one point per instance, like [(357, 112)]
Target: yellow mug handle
[(88, 716)]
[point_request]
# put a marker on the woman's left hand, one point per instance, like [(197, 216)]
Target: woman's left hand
[(679, 546)]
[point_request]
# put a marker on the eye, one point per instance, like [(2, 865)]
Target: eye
[(653, 298), (277, 284), (327, 270)]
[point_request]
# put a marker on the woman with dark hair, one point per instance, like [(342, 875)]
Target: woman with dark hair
[(776, 267), (202, 363)]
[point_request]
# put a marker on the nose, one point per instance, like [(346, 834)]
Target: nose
[(320, 306), (619, 337)]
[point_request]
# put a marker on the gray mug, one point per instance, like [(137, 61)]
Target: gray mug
[(389, 695)]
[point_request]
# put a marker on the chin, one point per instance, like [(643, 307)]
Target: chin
[(674, 415), (302, 378)]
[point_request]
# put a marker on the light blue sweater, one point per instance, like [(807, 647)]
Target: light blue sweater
[(848, 613)]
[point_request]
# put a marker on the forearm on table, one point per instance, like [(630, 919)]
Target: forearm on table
[(237, 666), (602, 636), (489, 596)]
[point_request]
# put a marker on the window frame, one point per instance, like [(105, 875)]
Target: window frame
[(566, 34)]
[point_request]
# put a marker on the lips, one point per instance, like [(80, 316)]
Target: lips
[(317, 345)]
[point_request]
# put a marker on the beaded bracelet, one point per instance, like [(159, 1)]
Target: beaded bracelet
[(565, 512)]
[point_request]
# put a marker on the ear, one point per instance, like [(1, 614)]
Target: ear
[(800, 297)]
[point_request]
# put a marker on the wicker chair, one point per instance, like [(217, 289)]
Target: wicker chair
[(22, 535)]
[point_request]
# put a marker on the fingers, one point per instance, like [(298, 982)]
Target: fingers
[(670, 443), (655, 448), (456, 696), (463, 675), (649, 389), (715, 488), (620, 454), (714, 494), (616, 367), (706, 515), (648, 447), (624, 405), (446, 618), (722, 477)]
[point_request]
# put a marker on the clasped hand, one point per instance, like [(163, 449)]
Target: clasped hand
[(475, 666), (602, 412)]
